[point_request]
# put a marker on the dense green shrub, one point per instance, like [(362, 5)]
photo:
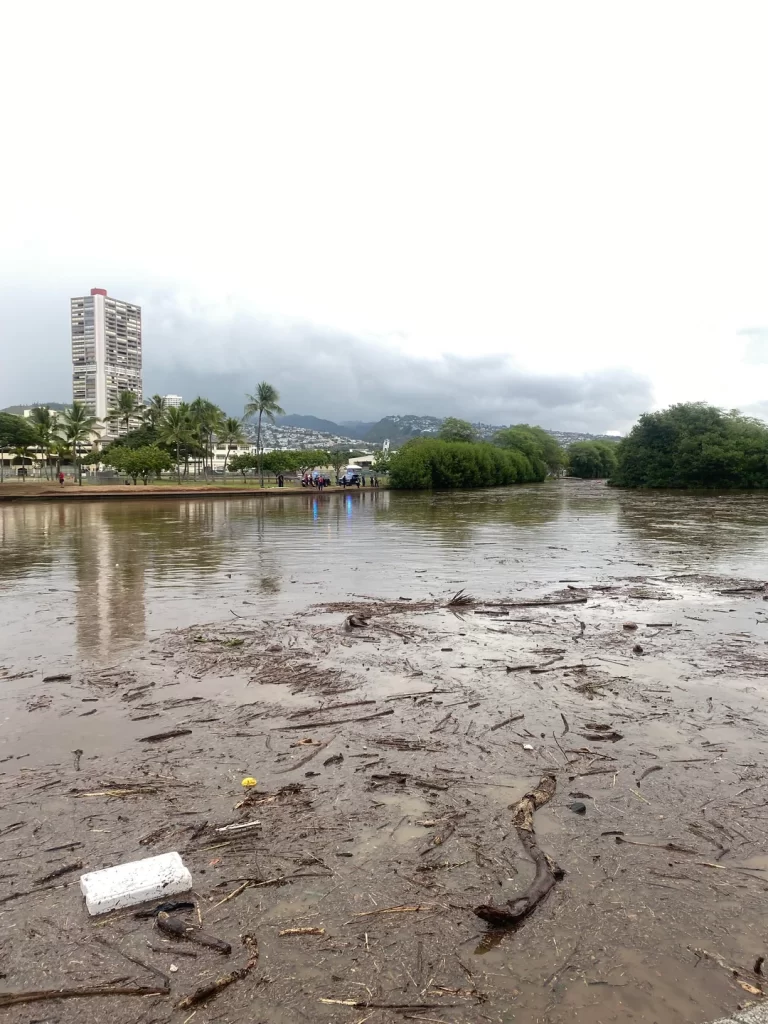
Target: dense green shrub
[(592, 460), (694, 445), (424, 464), (540, 448)]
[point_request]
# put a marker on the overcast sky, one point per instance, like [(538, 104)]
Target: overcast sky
[(547, 212)]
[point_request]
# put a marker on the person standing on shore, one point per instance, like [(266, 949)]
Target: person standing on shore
[(61, 478)]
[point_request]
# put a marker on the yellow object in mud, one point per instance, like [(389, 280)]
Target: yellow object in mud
[(249, 783)]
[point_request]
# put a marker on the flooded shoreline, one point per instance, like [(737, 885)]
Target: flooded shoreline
[(389, 750)]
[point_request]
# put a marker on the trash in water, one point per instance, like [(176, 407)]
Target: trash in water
[(249, 782), (125, 885), (578, 807)]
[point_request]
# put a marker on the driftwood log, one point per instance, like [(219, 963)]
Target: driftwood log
[(547, 872)]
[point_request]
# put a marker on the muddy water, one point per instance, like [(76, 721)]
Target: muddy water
[(419, 757), (90, 580)]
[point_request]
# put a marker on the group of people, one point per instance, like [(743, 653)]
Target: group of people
[(319, 481), (315, 480)]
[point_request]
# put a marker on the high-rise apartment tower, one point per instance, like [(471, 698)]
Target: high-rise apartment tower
[(106, 354)]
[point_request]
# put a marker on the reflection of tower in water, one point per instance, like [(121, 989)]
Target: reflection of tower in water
[(109, 568)]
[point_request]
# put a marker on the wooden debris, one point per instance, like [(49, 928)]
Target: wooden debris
[(206, 992), (170, 734), (307, 759), (507, 721), (65, 870), (547, 872), (39, 995), (302, 931), (736, 973), (61, 677), (404, 909), (363, 1005), (181, 930), (338, 721), (540, 604)]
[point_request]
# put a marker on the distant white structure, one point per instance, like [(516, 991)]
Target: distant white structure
[(385, 447), (173, 401), (106, 353)]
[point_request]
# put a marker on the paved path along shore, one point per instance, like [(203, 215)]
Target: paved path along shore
[(111, 492)]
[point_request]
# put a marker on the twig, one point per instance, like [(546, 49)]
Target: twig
[(331, 707), (338, 721), (206, 992), (442, 722), (403, 909), (39, 995), (358, 1004), (507, 721), (302, 931), (169, 735), (538, 604), (307, 759), (60, 871), (135, 960)]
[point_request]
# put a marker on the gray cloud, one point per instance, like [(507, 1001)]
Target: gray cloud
[(191, 349), (341, 376)]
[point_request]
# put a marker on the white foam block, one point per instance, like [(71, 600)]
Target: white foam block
[(125, 885)]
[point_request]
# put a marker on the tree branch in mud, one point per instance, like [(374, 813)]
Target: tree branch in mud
[(547, 872)]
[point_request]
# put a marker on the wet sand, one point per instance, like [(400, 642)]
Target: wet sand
[(394, 822)]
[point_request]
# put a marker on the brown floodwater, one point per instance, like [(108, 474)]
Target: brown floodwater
[(187, 622), (92, 579)]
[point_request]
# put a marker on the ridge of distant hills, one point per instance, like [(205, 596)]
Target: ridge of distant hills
[(399, 429), (18, 410)]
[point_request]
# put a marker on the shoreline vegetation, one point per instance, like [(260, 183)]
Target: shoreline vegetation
[(692, 445)]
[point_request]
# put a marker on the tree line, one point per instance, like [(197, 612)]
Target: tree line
[(694, 445), (154, 438), (157, 435), (457, 458)]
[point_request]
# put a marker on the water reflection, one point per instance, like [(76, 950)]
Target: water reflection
[(95, 577), (701, 525)]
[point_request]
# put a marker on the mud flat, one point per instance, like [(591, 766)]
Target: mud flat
[(392, 742)]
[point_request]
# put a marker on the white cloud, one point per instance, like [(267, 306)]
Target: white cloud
[(574, 187)]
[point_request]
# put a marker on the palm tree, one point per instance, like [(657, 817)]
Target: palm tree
[(209, 420), (176, 428), (125, 409), (154, 410), (44, 424), (231, 434), (263, 403), (23, 453), (77, 426)]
